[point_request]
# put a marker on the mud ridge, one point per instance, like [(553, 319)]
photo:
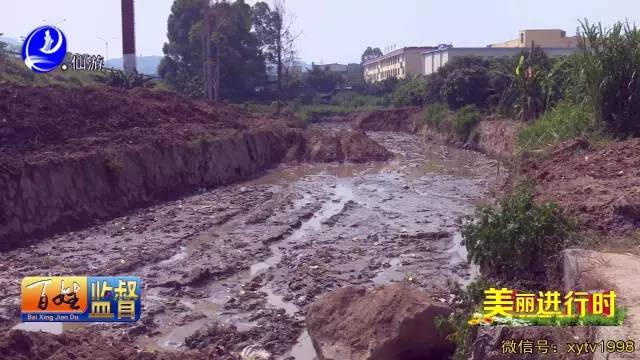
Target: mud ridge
[(69, 178), (493, 137)]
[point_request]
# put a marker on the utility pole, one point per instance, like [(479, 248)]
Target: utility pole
[(128, 36), (106, 45)]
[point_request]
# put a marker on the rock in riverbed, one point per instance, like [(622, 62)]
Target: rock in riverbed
[(387, 323)]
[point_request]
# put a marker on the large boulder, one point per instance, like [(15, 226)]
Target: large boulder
[(395, 322)]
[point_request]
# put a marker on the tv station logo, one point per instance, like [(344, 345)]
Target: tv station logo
[(45, 49), (81, 299)]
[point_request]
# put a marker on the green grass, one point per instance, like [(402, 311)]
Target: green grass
[(13, 71), (339, 105), (435, 114), (566, 121), (465, 120), (610, 63), (315, 113), (359, 101)]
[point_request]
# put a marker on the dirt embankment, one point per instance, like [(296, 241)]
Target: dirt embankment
[(399, 120), (69, 156), (496, 138), (601, 187)]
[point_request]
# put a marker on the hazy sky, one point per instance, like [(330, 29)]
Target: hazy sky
[(332, 30)]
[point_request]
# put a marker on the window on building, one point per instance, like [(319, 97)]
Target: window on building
[(521, 38)]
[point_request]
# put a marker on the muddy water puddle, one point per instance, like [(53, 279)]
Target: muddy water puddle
[(254, 255), (220, 292)]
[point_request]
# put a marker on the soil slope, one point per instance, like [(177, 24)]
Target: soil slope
[(38, 119), (71, 156), (601, 187)]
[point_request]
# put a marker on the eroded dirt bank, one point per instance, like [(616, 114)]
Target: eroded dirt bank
[(239, 265), (494, 137), (598, 185), (96, 154)]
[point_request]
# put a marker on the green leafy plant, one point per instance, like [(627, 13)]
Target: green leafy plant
[(410, 92), (525, 97), (435, 114), (467, 86), (120, 79), (517, 239), (315, 113), (465, 120), (359, 101)]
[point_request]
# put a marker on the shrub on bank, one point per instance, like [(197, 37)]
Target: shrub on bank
[(435, 115), (517, 239), (315, 113), (358, 101), (566, 121), (409, 92), (465, 120)]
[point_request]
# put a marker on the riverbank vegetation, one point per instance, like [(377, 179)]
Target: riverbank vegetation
[(593, 94)]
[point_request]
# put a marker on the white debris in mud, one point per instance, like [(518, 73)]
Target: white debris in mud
[(255, 352)]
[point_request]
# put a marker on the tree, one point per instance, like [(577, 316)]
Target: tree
[(230, 45), (274, 31), (182, 64), (240, 62), (462, 81), (410, 92), (3, 47), (370, 53), (466, 86), (526, 97), (322, 80)]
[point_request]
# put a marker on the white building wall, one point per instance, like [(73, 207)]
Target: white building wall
[(433, 60), (428, 64)]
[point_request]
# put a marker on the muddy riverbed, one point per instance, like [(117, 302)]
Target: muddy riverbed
[(238, 265)]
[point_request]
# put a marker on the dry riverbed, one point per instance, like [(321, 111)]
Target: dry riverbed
[(238, 265)]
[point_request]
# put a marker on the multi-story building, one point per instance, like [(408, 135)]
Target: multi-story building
[(434, 59), (553, 42), (399, 63), (545, 38)]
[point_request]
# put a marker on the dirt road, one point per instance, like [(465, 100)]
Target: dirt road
[(244, 261)]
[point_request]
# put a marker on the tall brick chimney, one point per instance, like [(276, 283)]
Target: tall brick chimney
[(128, 36)]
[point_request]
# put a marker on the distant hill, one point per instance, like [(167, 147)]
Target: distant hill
[(146, 64)]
